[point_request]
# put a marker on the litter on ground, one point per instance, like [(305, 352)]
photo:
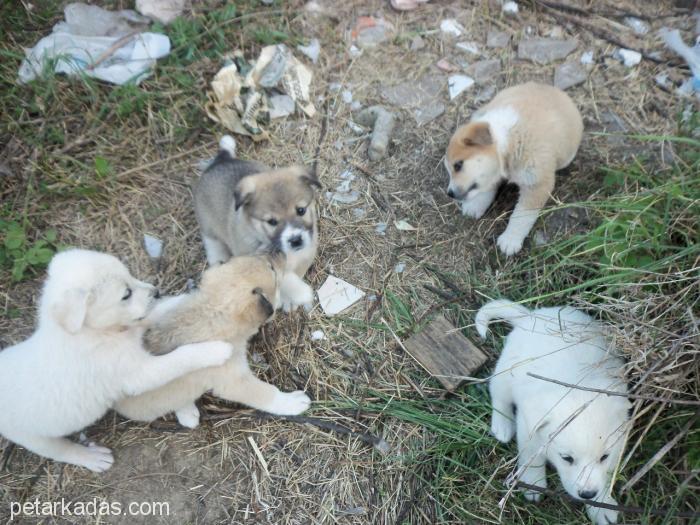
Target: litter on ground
[(336, 295)]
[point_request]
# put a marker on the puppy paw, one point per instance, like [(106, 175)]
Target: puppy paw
[(603, 516), (510, 244), (474, 208), (303, 296), (289, 403), (94, 457), (532, 496), (216, 353), (534, 476), (502, 428), (188, 416)]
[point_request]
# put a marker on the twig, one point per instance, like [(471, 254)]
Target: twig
[(620, 508), (321, 138), (661, 453), (620, 394), (112, 49)]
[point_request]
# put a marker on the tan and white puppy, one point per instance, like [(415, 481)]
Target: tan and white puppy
[(581, 433), (245, 207), (524, 135), (233, 301), (86, 354)]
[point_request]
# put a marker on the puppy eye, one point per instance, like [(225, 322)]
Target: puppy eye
[(126, 295), (604, 457), (457, 165), (272, 222), (568, 459), (301, 211)]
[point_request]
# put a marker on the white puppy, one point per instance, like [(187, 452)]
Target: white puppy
[(581, 433), (85, 355)]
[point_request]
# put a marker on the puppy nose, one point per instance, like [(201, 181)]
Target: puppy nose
[(587, 494), (451, 194), (155, 292), (296, 241)]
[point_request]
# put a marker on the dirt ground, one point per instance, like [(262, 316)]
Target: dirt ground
[(239, 467)]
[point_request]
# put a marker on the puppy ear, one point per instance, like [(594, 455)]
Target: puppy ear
[(243, 193), (311, 179), (479, 135), (71, 310), (265, 304)]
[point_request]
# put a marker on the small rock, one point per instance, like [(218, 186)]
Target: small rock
[(400, 267), (417, 43), (444, 65), (422, 95), (153, 245), (540, 238), (354, 51), (510, 8), (638, 26), (359, 213), (346, 95), (497, 39), (485, 94), (569, 74), (404, 225), (312, 50), (318, 335), (370, 31), (380, 228), (281, 106), (451, 27), (355, 105), (426, 113), (344, 186), (628, 57), (587, 58), (457, 84), (545, 50), (347, 175), (484, 70), (470, 47)]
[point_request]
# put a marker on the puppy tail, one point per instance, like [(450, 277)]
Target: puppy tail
[(228, 144), (515, 314)]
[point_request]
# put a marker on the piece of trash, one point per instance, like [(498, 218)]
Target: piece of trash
[(153, 245), (239, 100), (343, 198), (628, 57), (445, 353), (344, 186), (163, 11), (457, 84), (404, 226), (450, 26), (444, 65), (318, 335), (382, 123), (497, 39), (407, 5), (417, 43), (108, 45), (281, 106), (484, 70), (313, 50), (400, 267), (638, 26), (569, 74), (510, 8), (545, 50), (691, 55), (346, 95), (587, 58), (540, 238), (359, 213), (380, 228), (470, 47), (370, 31), (347, 174), (336, 295), (354, 51), (423, 96)]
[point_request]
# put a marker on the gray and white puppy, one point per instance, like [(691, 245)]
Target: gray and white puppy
[(245, 207)]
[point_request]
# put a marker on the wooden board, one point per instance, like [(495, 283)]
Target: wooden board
[(445, 353)]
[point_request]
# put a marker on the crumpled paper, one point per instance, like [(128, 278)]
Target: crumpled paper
[(165, 11), (240, 92), (108, 45)]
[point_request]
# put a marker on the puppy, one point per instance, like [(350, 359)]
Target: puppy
[(580, 432), (85, 354), (233, 301), (245, 207), (525, 134)]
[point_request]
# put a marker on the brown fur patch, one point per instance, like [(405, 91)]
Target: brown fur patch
[(468, 141)]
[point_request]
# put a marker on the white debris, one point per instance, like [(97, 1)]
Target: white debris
[(638, 26), (359, 213), (587, 58), (470, 47), (355, 51), (281, 106), (318, 335), (347, 175), (336, 295), (313, 50), (628, 57), (164, 11), (355, 105), (662, 79), (400, 267), (344, 186), (403, 225), (380, 228), (343, 198), (510, 8), (153, 245), (458, 84), (346, 95), (450, 26)]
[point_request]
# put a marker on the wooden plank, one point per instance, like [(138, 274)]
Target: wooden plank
[(445, 353)]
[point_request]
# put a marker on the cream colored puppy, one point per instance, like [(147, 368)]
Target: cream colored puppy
[(524, 135), (233, 301)]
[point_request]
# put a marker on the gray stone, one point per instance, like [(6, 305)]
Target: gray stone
[(545, 50), (423, 96), (485, 94), (497, 39), (569, 74), (417, 43), (428, 112), (484, 70)]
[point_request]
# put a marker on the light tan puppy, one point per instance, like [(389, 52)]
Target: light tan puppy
[(525, 134), (233, 301)]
